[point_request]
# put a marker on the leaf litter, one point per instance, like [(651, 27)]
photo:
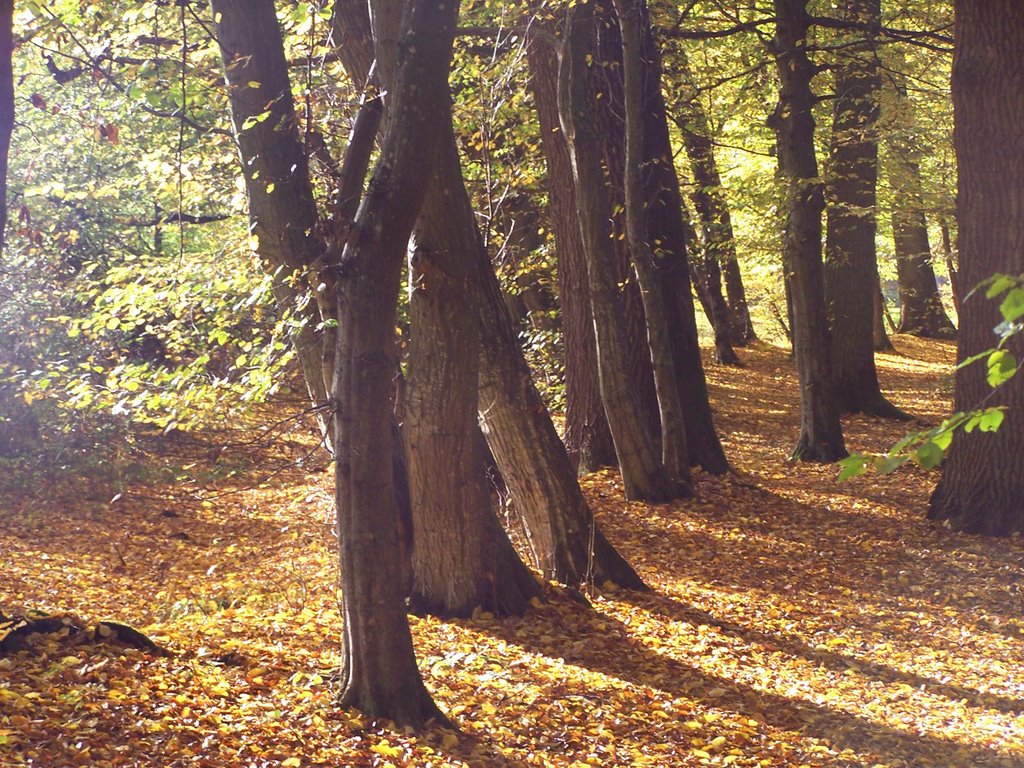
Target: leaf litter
[(792, 621)]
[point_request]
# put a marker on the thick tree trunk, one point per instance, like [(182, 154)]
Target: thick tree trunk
[(587, 436), (282, 210), (643, 474), (851, 266), (821, 435), (982, 484), (461, 557), (921, 310), (673, 434), (6, 106), (379, 675)]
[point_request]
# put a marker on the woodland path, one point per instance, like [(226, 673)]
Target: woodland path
[(793, 621)]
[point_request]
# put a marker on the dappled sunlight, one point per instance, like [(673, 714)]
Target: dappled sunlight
[(793, 621)]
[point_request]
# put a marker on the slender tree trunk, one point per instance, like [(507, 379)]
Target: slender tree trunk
[(921, 310), (668, 226), (673, 434), (716, 222), (982, 484), (879, 338), (6, 106), (379, 675), (282, 210), (851, 267), (821, 435), (587, 436), (951, 268), (643, 474)]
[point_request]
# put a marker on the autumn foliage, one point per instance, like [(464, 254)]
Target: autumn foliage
[(792, 621)]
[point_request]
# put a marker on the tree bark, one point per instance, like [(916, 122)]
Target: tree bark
[(461, 557), (673, 434), (921, 310), (587, 437), (282, 210), (821, 436), (982, 484), (851, 266), (6, 107), (379, 675), (644, 476)]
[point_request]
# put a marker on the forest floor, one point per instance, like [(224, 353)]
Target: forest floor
[(792, 621)]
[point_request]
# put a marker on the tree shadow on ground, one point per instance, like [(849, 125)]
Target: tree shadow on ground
[(612, 651)]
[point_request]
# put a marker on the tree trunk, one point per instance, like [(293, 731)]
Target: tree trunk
[(6, 106), (643, 474), (716, 222), (851, 267), (282, 210), (673, 434), (461, 557), (921, 310), (982, 484), (379, 675), (948, 254), (668, 226), (879, 338), (587, 436), (821, 436)]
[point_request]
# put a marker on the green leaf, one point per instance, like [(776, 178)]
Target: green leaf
[(884, 465), (929, 455), (1012, 307), (1000, 284), (1001, 367), (853, 466)]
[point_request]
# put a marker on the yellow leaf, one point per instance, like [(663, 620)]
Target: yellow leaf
[(487, 708), (384, 749), (291, 762)]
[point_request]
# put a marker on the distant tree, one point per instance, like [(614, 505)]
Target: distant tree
[(982, 484), (921, 310)]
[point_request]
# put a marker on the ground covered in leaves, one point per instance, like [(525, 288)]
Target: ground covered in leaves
[(793, 621)]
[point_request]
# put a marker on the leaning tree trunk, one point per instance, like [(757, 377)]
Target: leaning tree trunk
[(673, 433), (282, 210), (821, 435), (921, 310), (643, 474), (587, 437), (6, 106), (379, 675), (851, 267), (461, 557), (982, 484)]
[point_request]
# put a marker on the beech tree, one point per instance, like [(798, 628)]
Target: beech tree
[(851, 267), (821, 435), (982, 484)]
